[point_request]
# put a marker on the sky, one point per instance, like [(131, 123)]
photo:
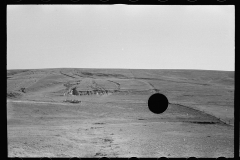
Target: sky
[(121, 36)]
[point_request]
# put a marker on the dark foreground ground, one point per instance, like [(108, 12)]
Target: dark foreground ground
[(113, 119)]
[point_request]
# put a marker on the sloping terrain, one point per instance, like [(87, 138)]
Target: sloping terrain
[(112, 117)]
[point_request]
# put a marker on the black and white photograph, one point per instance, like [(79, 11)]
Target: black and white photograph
[(144, 81)]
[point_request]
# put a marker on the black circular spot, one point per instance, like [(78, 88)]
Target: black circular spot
[(104, 0), (46, 0), (191, 158), (163, 0), (163, 158), (103, 158), (157, 103), (133, 0), (74, 158)]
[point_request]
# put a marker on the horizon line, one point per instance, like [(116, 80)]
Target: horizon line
[(124, 69)]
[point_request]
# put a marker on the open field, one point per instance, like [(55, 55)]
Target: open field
[(113, 119)]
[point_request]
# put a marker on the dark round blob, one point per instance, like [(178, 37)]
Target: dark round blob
[(157, 103), (192, 158), (221, 158), (163, 158)]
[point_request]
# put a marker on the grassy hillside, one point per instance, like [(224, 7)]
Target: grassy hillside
[(111, 117)]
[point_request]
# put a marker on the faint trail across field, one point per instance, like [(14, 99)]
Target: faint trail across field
[(149, 84)]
